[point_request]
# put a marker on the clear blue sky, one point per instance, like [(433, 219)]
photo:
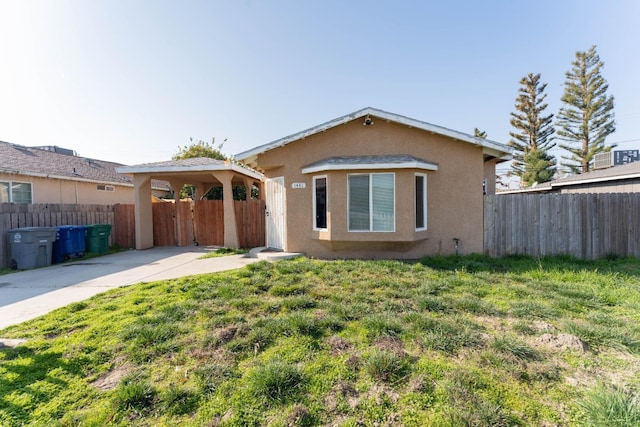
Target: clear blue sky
[(131, 80)]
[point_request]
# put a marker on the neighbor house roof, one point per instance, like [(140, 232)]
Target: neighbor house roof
[(496, 149), (369, 162), (615, 173), (37, 162)]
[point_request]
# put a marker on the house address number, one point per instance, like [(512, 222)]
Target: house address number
[(298, 185)]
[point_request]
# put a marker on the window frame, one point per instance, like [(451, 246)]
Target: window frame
[(11, 185), (326, 203), (371, 202), (424, 201)]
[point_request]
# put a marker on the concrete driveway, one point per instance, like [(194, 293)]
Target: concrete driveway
[(28, 294)]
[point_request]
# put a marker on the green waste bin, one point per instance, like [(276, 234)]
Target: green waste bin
[(98, 238), (30, 247)]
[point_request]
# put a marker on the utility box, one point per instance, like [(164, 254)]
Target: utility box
[(70, 242), (31, 247), (98, 238)]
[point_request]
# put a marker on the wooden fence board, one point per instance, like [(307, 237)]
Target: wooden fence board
[(582, 225)]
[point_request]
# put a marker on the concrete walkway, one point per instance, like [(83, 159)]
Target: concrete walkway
[(28, 294)]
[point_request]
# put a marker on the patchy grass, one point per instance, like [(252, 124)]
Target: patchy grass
[(224, 252), (447, 341)]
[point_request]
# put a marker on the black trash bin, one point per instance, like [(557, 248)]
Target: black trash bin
[(98, 238), (31, 247), (70, 242)]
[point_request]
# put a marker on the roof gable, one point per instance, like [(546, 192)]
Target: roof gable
[(495, 148)]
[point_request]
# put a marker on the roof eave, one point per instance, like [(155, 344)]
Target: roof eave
[(481, 142)]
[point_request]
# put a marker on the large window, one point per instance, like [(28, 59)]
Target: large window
[(421, 201), (15, 192), (320, 202), (372, 202)]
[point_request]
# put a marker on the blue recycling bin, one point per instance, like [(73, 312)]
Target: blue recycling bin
[(30, 247), (70, 242)]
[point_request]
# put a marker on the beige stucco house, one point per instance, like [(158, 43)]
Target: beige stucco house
[(374, 184), (55, 175)]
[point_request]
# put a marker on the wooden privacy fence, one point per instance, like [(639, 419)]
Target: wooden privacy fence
[(588, 225), (19, 215), (202, 221)]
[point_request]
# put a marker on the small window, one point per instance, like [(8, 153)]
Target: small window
[(102, 187), (371, 201), (16, 192), (320, 203), (421, 201)]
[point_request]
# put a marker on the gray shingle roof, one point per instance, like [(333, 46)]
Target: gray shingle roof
[(367, 162), (17, 159)]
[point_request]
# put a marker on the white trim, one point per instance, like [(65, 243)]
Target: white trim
[(424, 201), (326, 202), (596, 180), (370, 230), (370, 166), (158, 169), (505, 150)]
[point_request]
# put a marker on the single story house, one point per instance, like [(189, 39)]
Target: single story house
[(57, 175), (616, 179), (374, 184)]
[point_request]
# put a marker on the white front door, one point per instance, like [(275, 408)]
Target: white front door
[(275, 224)]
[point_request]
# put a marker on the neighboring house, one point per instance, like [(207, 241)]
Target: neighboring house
[(55, 175), (374, 184), (616, 179)]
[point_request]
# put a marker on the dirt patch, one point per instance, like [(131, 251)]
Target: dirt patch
[(391, 344), (111, 379), (338, 345), (563, 342), (11, 342)]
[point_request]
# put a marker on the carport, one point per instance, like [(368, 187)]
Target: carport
[(202, 173)]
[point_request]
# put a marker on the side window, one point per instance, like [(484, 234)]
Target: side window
[(320, 203), (421, 201), (16, 192)]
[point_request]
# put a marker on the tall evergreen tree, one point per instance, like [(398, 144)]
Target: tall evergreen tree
[(587, 117), (533, 135)]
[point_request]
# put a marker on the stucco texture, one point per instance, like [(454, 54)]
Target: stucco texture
[(454, 192)]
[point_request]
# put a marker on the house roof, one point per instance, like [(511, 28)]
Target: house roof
[(37, 162), (494, 148), (193, 165), (615, 173), (370, 162)]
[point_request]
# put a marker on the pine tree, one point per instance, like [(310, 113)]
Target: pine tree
[(587, 117), (533, 137)]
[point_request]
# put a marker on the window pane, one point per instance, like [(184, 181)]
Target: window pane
[(383, 202), (321, 202), (420, 217), (21, 192), (359, 202), (4, 192)]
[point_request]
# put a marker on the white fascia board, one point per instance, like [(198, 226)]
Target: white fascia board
[(177, 169), (597, 180), (481, 142), (368, 166)]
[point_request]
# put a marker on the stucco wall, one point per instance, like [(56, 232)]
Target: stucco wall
[(454, 192), (48, 190)]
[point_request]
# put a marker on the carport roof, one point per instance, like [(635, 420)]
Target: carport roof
[(194, 165)]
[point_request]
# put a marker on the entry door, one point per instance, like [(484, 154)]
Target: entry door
[(275, 213)]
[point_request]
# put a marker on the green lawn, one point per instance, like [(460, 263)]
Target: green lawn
[(448, 341)]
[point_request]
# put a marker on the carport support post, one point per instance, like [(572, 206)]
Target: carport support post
[(230, 227), (143, 211)]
